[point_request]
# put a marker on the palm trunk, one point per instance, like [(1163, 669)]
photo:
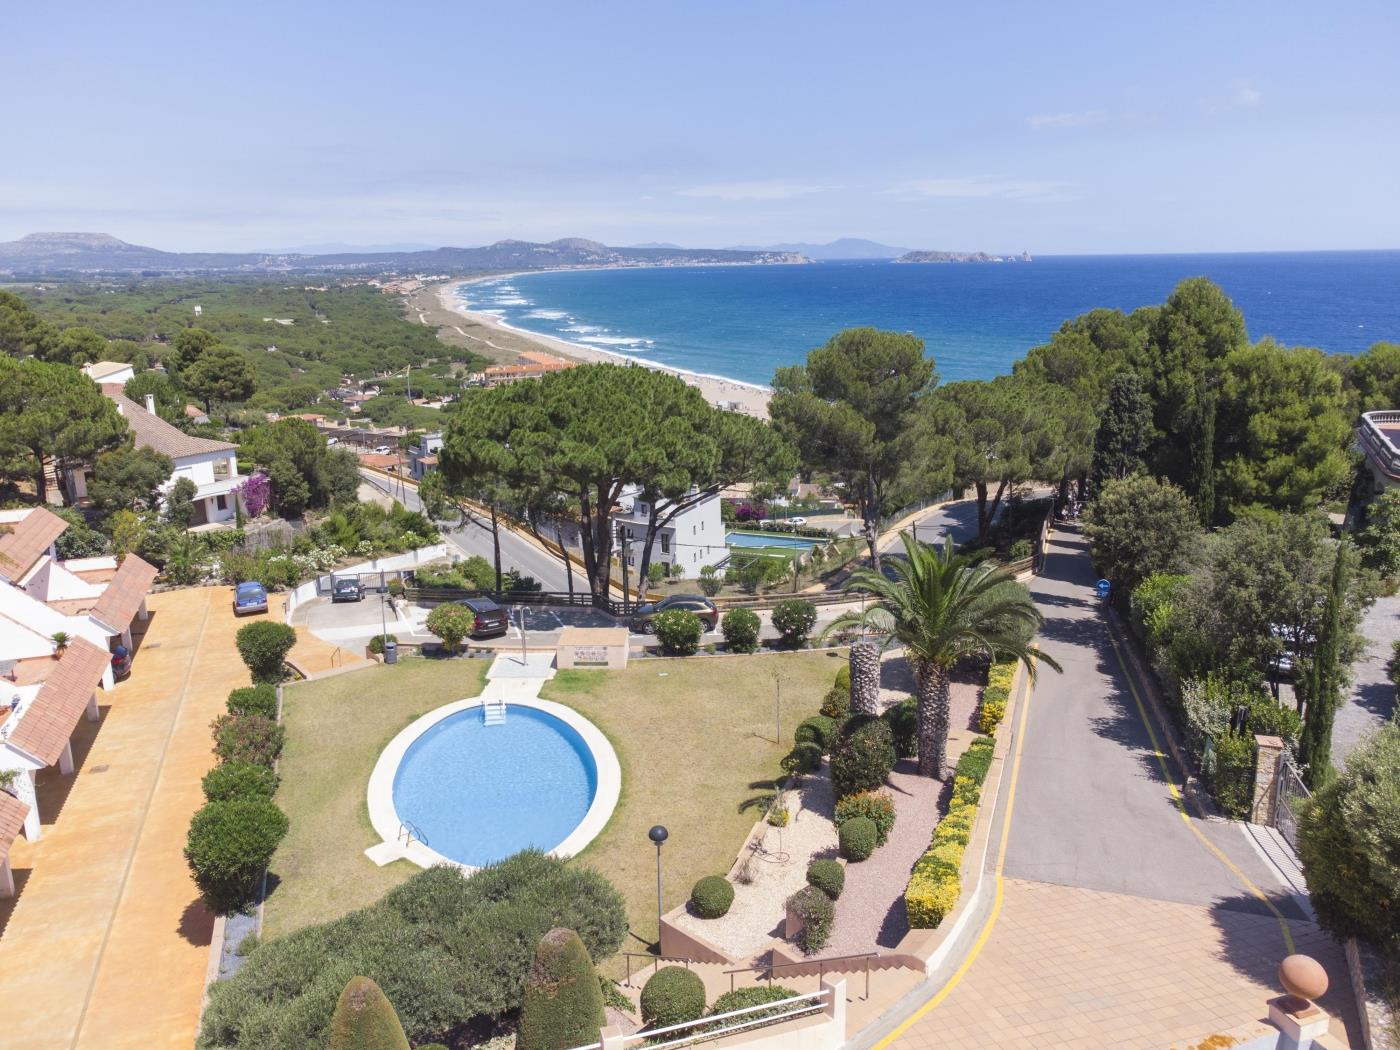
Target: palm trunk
[(935, 701), (865, 678)]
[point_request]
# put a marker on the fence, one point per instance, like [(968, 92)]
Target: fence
[(1290, 794), (322, 584)]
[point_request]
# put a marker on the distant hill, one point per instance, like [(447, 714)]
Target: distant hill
[(959, 257), (655, 244), (844, 248), (41, 254), (339, 248)]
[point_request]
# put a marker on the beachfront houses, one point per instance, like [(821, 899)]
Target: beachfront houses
[(531, 365)]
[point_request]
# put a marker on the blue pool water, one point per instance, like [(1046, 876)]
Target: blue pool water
[(480, 793), (744, 539)]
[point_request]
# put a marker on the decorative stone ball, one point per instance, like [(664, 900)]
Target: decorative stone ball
[(1303, 976)]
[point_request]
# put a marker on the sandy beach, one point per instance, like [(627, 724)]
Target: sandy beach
[(745, 397)]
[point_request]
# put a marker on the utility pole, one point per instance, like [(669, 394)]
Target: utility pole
[(623, 541)]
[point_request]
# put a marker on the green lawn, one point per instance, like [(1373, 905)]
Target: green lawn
[(693, 736)]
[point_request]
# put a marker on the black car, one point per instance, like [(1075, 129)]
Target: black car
[(644, 617), (347, 589), (491, 619)]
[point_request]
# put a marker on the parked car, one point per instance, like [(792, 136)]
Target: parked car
[(121, 663), (347, 589), (797, 522), (332, 441), (491, 619), (383, 450), (249, 598), (644, 618)]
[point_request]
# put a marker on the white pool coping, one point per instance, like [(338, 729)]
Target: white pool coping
[(385, 817)]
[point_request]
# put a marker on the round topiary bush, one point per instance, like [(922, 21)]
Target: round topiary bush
[(673, 994), (376, 644), (364, 1019), (563, 1004), (740, 628), (836, 705), (819, 730), (450, 623), (805, 757), (863, 757), (878, 806), (856, 838), (793, 618), (817, 914), (228, 847), (679, 632), (247, 738), (260, 699), (827, 875), (843, 677), (903, 720), (264, 647), (239, 780), (711, 897)]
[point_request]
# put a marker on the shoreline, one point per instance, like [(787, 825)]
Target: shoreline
[(749, 398)]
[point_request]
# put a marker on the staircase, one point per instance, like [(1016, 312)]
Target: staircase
[(493, 711)]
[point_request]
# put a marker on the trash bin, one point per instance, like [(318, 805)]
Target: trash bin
[(391, 651)]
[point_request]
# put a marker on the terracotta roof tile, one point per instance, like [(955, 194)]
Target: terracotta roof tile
[(12, 814), (27, 541), (52, 715), (155, 433), (123, 597)]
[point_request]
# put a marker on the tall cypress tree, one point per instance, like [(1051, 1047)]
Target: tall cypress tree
[(1124, 434), (1325, 676)]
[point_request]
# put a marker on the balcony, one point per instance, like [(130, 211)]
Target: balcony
[(1379, 437)]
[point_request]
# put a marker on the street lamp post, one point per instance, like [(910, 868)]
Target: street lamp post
[(658, 835)]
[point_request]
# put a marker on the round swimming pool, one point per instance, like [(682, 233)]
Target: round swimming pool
[(478, 793)]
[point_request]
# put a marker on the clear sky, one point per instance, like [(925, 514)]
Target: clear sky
[(1052, 127)]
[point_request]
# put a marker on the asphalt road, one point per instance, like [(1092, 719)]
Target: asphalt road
[(1092, 807)]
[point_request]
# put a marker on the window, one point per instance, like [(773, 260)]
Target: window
[(665, 543), (692, 530), (221, 502)]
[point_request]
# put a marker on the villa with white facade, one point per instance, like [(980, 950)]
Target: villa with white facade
[(692, 539)]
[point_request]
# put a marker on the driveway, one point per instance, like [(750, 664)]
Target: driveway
[(1372, 701)]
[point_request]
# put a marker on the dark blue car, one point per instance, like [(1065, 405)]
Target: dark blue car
[(249, 598)]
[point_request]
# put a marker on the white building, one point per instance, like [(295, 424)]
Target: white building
[(422, 457), (692, 539), (211, 465), (103, 372)]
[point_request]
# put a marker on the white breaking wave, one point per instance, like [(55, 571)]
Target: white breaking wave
[(549, 315), (610, 340), (582, 328), (512, 301)]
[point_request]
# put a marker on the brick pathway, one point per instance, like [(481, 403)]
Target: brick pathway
[(106, 945)]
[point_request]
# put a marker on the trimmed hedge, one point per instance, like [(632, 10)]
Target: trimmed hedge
[(247, 738), (444, 948), (260, 699), (819, 729), (679, 631), (843, 677), (365, 1020), (937, 878), (827, 875), (264, 646), (877, 806), (238, 780), (740, 628), (711, 897), (903, 720), (856, 838), (806, 757), (671, 995), (743, 998), (836, 705), (228, 847), (996, 696), (864, 756), (563, 1002), (817, 913)]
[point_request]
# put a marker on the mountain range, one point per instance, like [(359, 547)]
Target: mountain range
[(43, 254), (844, 248)]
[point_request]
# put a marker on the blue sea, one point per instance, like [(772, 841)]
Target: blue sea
[(742, 322)]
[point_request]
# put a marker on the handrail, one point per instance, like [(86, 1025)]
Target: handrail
[(820, 964), (408, 831), (337, 654), (801, 1006), (656, 961)]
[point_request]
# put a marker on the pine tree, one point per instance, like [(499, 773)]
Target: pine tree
[(365, 1020), (1124, 434)]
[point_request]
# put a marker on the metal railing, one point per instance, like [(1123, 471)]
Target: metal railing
[(802, 964), (714, 1027), (408, 831), (654, 960), (1377, 443), (1290, 794)]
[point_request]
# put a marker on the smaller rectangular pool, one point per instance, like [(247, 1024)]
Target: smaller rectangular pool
[(769, 539)]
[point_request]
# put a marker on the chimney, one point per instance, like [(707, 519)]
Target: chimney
[(151, 403)]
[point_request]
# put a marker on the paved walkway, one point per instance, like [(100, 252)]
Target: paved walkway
[(1123, 923), (106, 945), (1372, 701)]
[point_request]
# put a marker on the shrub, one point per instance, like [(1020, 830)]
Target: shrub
[(827, 875), (856, 838), (1230, 777), (876, 806), (837, 703), (365, 1020), (417, 942), (817, 914), (843, 677), (745, 998), (376, 644), (228, 847), (863, 758), (1349, 842), (451, 623), (711, 897), (264, 646), (793, 618), (1021, 550), (710, 583), (805, 757), (778, 817), (239, 780), (903, 720), (819, 730), (563, 1001), (740, 628), (679, 632), (247, 738), (671, 995), (936, 881), (260, 699), (996, 695)]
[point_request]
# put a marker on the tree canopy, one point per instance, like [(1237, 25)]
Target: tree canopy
[(129, 478)]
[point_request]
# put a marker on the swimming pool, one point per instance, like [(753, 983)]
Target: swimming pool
[(769, 539), (473, 794)]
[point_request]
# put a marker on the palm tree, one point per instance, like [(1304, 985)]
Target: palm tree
[(941, 609)]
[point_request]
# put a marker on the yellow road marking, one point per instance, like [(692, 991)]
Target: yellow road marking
[(1177, 799), (986, 930)]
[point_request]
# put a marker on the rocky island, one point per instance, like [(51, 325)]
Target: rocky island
[(960, 257)]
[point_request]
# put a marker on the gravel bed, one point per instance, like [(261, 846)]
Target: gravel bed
[(760, 906)]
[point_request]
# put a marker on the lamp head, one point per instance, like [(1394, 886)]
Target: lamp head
[(658, 834)]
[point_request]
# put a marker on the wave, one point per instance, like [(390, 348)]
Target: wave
[(612, 340), (582, 328), (513, 300), (549, 315)]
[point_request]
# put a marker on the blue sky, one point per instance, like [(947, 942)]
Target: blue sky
[(1067, 127)]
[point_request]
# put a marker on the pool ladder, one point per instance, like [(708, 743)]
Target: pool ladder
[(493, 711)]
